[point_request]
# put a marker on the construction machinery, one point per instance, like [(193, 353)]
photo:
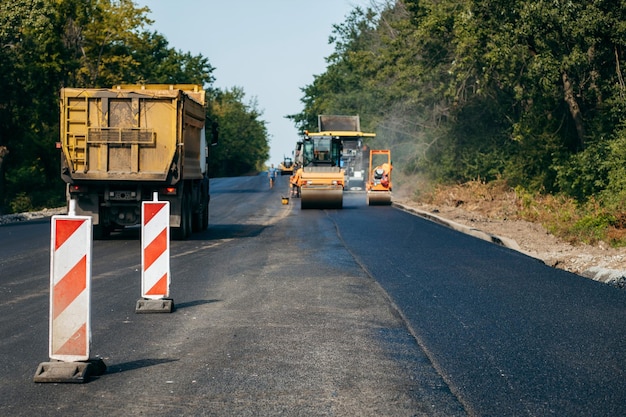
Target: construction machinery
[(294, 180), (321, 164), (353, 161), (130, 143), (379, 181), (321, 179), (286, 166)]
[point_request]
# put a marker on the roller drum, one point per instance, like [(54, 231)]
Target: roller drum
[(379, 198), (321, 198)]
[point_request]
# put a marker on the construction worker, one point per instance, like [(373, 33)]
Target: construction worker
[(381, 175), (295, 182), (384, 181), (271, 173)]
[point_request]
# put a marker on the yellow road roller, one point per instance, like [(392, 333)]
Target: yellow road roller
[(321, 178), (379, 182), (320, 156)]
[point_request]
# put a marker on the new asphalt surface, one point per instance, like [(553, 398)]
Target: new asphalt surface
[(363, 311)]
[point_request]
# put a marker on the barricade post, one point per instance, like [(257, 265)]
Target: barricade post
[(70, 302), (155, 258)]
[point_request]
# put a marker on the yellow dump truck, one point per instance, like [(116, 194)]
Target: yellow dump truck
[(121, 145)]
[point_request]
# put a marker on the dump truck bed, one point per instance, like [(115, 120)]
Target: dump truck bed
[(133, 133)]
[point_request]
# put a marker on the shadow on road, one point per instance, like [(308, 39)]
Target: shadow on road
[(214, 232), (138, 364), (241, 191), (195, 303), (229, 231)]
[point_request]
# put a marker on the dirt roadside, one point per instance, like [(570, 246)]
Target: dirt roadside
[(599, 262)]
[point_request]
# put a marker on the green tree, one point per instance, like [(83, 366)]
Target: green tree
[(545, 64), (243, 140), (101, 35), (31, 61), (45, 45), (531, 91), (340, 89)]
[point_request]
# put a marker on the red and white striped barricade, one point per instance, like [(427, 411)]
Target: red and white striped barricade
[(70, 303), (155, 258)]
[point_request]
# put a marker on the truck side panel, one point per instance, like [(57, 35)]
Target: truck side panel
[(120, 137)]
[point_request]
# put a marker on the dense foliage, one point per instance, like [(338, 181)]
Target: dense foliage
[(529, 91), (48, 44), (247, 149)]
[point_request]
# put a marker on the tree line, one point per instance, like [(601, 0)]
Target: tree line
[(49, 44), (527, 91)]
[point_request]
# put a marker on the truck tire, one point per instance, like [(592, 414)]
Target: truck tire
[(196, 220), (188, 217), (201, 219), (184, 230), (205, 215)]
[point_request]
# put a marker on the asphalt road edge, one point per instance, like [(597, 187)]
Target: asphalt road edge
[(613, 277)]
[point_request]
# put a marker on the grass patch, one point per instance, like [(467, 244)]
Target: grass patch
[(564, 217)]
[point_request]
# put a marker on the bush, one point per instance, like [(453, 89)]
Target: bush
[(592, 228), (564, 216), (21, 203)]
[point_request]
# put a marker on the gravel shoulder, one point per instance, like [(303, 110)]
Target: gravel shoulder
[(34, 215)]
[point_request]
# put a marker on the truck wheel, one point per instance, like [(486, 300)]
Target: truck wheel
[(196, 223), (201, 219), (189, 217), (182, 232), (205, 215)]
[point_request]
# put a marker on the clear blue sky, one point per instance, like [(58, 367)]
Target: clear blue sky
[(270, 48)]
